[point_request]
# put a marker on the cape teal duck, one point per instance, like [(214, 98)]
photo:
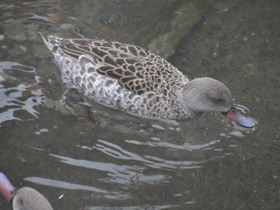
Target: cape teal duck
[(134, 80), (25, 198)]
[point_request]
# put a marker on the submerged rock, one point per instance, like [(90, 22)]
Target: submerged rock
[(169, 31), (16, 30), (157, 25), (40, 51)]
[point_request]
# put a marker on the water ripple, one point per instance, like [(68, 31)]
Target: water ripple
[(17, 97), (72, 186), (118, 152), (116, 173)]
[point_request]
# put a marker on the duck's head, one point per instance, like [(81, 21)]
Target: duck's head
[(25, 198), (209, 95)]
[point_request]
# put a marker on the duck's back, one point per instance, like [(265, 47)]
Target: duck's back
[(118, 75)]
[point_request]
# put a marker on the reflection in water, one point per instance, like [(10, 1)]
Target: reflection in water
[(15, 93), (117, 173), (167, 145), (71, 186), (117, 152), (154, 207), (62, 184)]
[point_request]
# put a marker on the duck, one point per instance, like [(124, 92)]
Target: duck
[(132, 79), (25, 198)]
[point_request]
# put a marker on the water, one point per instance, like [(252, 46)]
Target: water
[(116, 161)]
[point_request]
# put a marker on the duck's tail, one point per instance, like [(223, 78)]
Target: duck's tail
[(52, 42)]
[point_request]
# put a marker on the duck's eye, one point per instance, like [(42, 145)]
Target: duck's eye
[(218, 100)]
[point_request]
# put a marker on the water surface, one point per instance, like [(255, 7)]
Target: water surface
[(115, 161)]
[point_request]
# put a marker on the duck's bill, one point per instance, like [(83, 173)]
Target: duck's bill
[(6, 188), (239, 118)]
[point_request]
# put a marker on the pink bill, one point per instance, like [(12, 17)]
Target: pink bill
[(239, 118), (6, 188)]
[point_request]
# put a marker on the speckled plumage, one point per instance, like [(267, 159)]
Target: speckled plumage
[(123, 76)]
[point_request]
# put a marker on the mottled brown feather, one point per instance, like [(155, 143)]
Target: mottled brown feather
[(135, 69)]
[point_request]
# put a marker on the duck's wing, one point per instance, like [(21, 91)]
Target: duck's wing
[(135, 68)]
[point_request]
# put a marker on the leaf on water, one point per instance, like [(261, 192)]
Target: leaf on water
[(36, 92), (56, 6), (54, 19), (257, 99)]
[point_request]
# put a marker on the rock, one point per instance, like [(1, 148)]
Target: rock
[(40, 51), (167, 35), (168, 22), (17, 31), (15, 51)]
